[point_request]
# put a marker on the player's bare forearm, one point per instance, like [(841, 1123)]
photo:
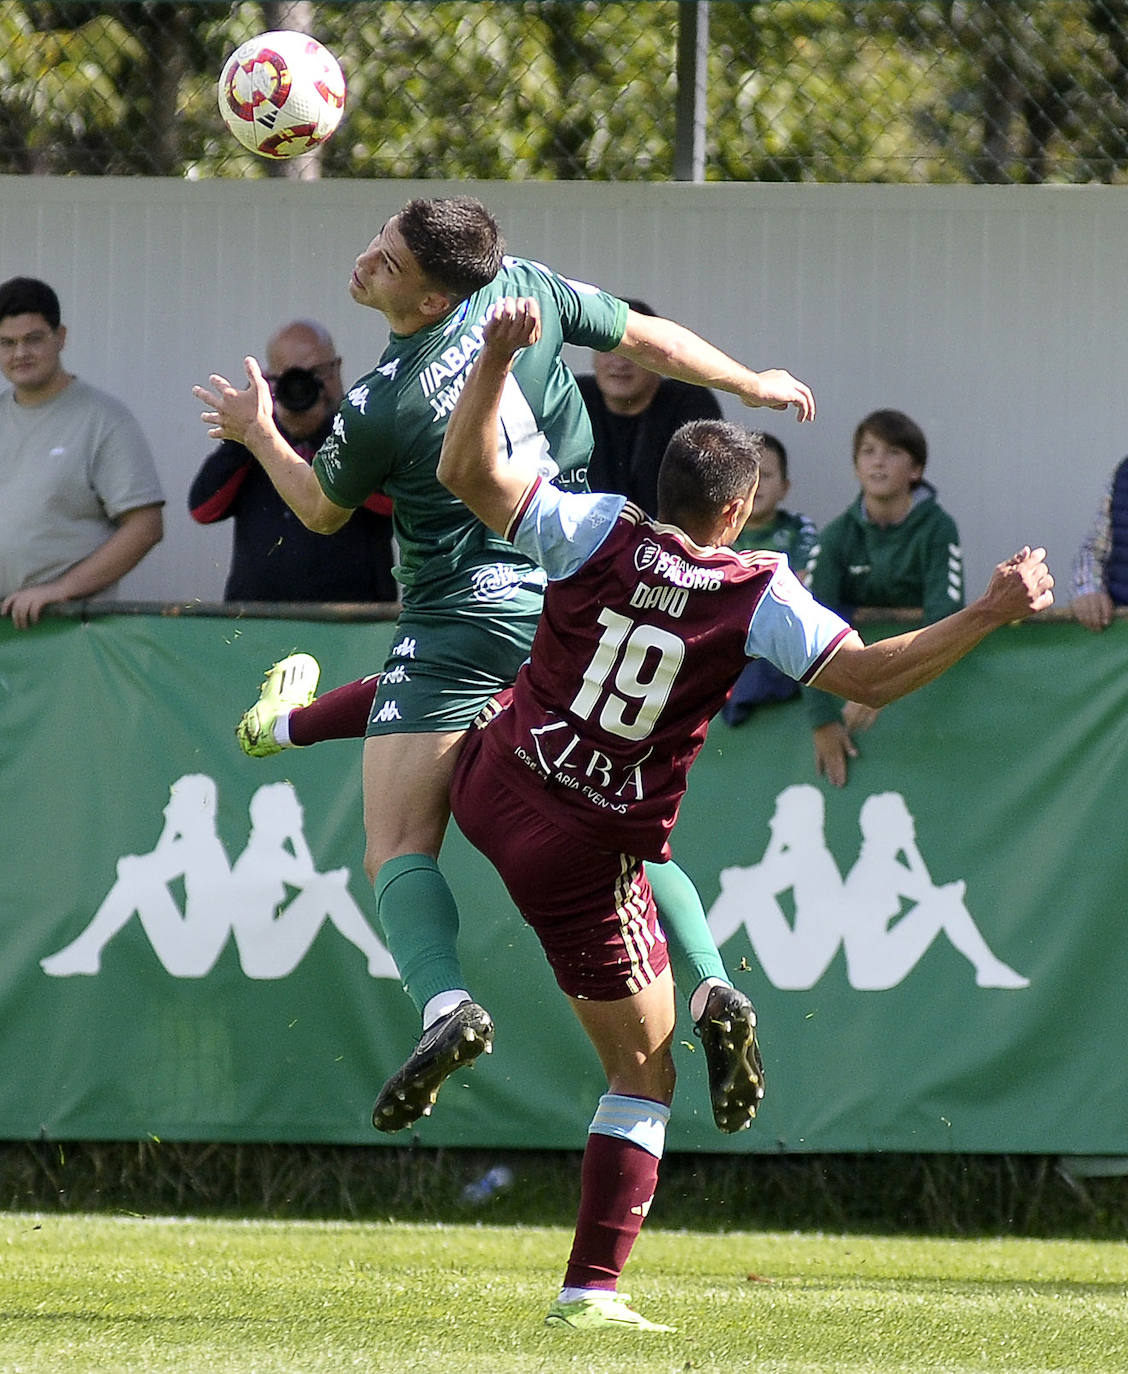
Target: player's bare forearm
[(470, 464), (296, 482), (672, 350), (877, 674)]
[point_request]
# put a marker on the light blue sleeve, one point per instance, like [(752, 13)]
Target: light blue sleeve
[(561, 530), (789, 627)]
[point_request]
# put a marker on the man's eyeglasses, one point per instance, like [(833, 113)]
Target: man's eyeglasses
[(39, 338)]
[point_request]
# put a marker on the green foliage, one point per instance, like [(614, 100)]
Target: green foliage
[(146, 1296), (798, 90)]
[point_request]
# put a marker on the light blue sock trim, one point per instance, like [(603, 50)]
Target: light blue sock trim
[(636, 1119)]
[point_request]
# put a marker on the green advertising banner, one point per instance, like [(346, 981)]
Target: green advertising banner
[(938, 951)]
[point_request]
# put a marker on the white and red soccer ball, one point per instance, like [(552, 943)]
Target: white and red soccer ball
[(281, 93)]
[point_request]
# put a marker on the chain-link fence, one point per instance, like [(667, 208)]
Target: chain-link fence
[(779, 90)]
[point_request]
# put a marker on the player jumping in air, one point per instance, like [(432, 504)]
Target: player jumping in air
[(470, 599), (572, 780)]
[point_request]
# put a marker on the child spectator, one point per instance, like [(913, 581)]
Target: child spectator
[(894, 546), (770, 527)]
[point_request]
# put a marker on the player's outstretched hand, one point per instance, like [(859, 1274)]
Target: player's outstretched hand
[(778, 390), (1020, 586), (514, 324), (232, 413)]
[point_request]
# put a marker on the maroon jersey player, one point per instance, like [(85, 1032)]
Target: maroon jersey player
[(571, 783)]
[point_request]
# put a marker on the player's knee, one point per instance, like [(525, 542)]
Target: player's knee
[(653, 1077)]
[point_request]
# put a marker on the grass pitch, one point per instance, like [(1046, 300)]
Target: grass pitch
[(92, 1294)]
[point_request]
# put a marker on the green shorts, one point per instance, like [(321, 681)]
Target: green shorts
[(445, 663)]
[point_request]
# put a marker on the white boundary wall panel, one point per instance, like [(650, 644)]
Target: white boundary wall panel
[(996, 316)]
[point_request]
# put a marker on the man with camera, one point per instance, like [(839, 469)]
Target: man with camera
[(274, 557)]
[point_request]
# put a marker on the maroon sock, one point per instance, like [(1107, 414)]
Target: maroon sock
[(617, 1184), (340, 714)]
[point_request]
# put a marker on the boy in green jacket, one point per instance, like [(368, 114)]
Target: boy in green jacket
[(894, 546)]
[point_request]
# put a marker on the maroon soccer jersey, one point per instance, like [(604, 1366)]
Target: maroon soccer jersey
[(643, 633)]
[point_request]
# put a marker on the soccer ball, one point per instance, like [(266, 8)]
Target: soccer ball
[(281, 93)]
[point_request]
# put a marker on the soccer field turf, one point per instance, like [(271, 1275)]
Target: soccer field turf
[(97, 1294)]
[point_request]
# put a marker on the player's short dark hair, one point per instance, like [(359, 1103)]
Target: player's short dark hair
[(707, 464), (639, 307), (29, 296), (455, 241), (893, 427), (769, 441)]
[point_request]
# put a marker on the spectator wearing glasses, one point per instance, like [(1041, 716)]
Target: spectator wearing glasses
[(80, 501), (274, 557)]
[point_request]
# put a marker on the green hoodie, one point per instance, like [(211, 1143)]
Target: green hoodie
[(857, 563)]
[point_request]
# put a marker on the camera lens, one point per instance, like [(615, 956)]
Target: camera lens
[(297, 389)]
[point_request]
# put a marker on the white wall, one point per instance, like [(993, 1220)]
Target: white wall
[(996, 316)]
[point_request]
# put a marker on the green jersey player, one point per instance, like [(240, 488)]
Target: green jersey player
[(470, 601)]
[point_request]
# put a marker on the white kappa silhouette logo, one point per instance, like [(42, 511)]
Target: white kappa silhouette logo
[(272, 899), (885, 914)]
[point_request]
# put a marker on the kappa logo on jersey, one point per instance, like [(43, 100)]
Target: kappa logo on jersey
[(396, 675), (498, 582), (405, 648), (389, 370), (389, 711), (358, 398)]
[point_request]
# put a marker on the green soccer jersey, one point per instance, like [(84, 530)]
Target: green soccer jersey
[(389, 430), (788, 533)]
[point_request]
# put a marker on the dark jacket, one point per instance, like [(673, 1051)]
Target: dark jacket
[(629, 448), (274, 557)]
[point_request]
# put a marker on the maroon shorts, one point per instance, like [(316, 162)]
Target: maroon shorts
[(593, 910)]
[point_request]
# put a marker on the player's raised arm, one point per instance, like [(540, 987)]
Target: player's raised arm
[(472, 465), (877, 674), (672, 350)]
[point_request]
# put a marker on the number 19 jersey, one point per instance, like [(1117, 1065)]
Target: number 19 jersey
[(642, 635)]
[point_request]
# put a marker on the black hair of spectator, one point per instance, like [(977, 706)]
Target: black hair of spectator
[(29, 296)]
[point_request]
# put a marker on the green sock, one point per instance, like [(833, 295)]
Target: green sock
[(419, 921), (693, 951)]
